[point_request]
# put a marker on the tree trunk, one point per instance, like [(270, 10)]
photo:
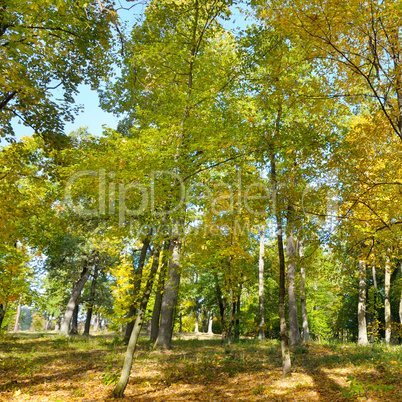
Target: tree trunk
[(17, 316), (306, 329), (136, 276), (158, 295), (197, 314), (204, 320), (3, 309), (180, 320), (170, 294), (57, 324), (286, 361), (222, 307), (400, 302), (210, 322), (128, 361), (374, 309), (97, 321), (48, 323), (231, 313), (294, 331), (75, 294), (361, 307), (387, 300), (261, 309), (74, 321), (237, 324), (91, 302)]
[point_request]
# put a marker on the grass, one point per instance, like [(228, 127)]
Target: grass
[(46, 367)]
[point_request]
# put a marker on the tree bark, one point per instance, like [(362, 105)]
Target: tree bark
[(170, 294), (306, 329), (75, 294), (387, 300), (74, 321), (180, 320), (57, 324), (136, 276), (197, 314), (17, 316), (374, 315), (222, 307), (97, 321), (361, 307), (3, 309), (294, 331), (128, 361), (286, 361), (261, 308), (91, 302), (204, 320), (237, 323), (48, 323), (158, 296), (231, 313), (210, 322), (400, 302)]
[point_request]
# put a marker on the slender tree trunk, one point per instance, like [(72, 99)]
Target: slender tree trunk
[(294, 331), (210, 322), (17, 316), (91, 302), (158, 296), (261, 307), (57, 324), (222, 307), (374, 315), (237, 326), (400, 302), (170, 294), (204, 320), (180, 320), (97, 321), (234, 317), (286, 361), (48, 323), (197, 314), (361, 307), (75, 294), (387, 300), (3, 309), (74, 321), (306, 329), (136, 276), (231, 314), (224, 323), (128, 361)]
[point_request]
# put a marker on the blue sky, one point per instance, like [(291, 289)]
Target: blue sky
[(92, 116)]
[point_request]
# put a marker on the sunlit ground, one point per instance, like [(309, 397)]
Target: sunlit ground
[(45, 367)]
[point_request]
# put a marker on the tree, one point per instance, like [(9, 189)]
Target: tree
[(174, 84), (50, 48), (261, 323), (72, 304), (128, 361), (359, 40), (361, 309)]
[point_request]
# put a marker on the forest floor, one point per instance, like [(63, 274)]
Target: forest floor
[(46, 367)]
